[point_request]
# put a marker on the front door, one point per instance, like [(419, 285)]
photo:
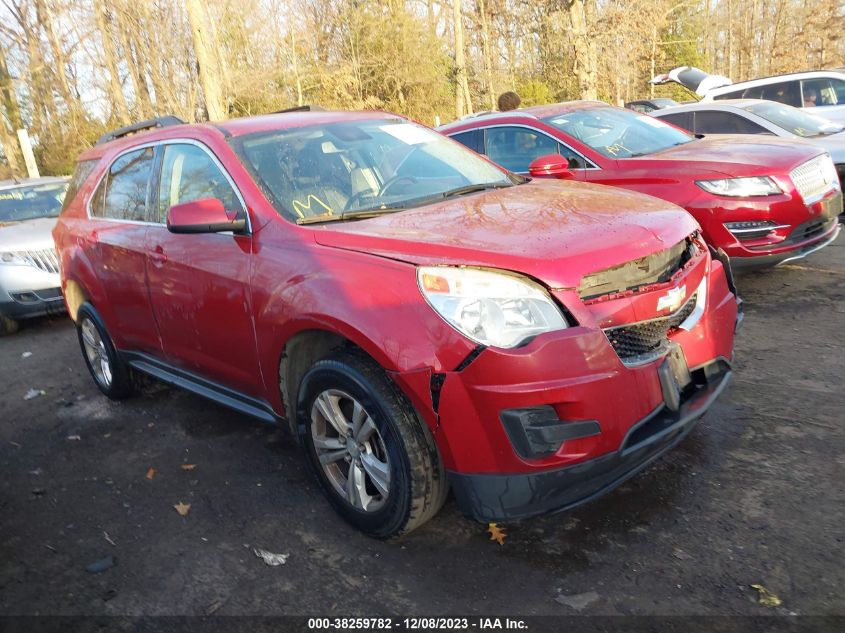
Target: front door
[(199, 283)]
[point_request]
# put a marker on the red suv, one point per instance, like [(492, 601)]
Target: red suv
[(415, 315), (764, 201)]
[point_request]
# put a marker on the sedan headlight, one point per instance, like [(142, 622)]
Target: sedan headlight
[(741, 187), (493, 308), (12, 259)]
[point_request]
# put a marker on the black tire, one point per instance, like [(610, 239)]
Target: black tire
[(417, 485), (8, 325), (120, 384)]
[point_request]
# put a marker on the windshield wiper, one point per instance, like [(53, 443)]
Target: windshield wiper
[(460, 191), (350, 215)]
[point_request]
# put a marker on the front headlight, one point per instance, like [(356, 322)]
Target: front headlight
[(493, 308), (12, 259), (741, 187)]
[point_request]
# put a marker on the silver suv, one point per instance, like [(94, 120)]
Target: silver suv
[(29, 268)]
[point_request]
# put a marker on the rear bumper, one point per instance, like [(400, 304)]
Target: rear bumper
[(498, 497)]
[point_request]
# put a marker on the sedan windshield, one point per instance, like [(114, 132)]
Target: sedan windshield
[(794, 120), (618, 133), (29, 202), (357, 168)]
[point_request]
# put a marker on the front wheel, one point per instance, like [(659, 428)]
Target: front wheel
[(371, 453), (111, 374)]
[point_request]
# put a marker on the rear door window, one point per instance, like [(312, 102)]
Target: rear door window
[(473, 139), (126, 187), (788, 92), (716, 122), (188, 173)]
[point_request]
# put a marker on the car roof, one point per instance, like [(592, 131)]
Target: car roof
[(531, 113), (762, 81), (236, 127), (29, 182)]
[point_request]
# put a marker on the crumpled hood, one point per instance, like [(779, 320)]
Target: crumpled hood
[(739, 155), (554, 231), (29, 235)]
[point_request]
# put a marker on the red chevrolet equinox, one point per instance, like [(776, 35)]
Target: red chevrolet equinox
[(418, 317), (763, 200)]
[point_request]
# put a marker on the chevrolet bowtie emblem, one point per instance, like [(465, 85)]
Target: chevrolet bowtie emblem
[(673, 299)]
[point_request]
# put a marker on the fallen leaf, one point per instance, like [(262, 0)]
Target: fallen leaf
[(577, 601), (497, 533), (681, 554), (74, 438), (766, 598), (151, 473), (274, 560), (34, 393), (182, 508), (188, 466)]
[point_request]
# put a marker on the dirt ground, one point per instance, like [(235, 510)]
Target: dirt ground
[(754, 495)]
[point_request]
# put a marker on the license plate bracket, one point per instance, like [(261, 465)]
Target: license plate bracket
[(674, 376)]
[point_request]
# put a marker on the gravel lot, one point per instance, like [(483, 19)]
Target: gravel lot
[(753, 496)]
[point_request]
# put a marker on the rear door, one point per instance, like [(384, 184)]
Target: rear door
[(199, 283), (118, 228)]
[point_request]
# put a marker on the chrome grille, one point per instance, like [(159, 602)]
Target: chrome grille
[(637, 343), (46, 260), (815, 177)]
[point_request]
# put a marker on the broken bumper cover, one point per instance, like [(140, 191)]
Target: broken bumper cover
[(497, 497)]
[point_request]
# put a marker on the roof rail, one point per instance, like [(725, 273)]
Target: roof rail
[(302, 108), (162, 121)]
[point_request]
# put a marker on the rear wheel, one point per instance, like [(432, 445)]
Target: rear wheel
[(371, 453), (111, 374), (7, 325)]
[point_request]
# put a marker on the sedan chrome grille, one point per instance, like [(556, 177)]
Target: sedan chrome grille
[(46, 260), (815, 177)]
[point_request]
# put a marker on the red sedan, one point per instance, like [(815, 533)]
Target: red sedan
[(763, 201), (415, 315)]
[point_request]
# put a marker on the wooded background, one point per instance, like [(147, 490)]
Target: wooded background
[(71, 69)]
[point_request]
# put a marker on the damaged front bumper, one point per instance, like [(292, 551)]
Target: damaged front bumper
[(494, 497)]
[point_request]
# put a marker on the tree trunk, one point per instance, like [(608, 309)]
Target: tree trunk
[(208, 75), (463, 101), (109, 59), (9, 97), (582, 15), (486, 53)]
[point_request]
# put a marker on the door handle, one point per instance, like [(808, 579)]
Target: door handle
[(157, 256)]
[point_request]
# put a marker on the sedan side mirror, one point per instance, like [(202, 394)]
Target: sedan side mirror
[(551, 166), (206, 215)]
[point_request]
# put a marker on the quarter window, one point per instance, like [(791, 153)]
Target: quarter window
[(189, 173), (126, 187)]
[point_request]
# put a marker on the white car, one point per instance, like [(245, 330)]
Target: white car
[(820, 91), (29, 267), (755, 116)]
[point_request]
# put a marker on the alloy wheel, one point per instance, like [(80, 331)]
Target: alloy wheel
[(95, 351), (350, 450)]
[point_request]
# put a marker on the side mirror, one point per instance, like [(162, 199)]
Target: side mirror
[(551, 166), (206, 215)]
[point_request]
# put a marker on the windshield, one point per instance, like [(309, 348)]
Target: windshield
[(794, 120), (337, 170), (618, 133), (29, 202)]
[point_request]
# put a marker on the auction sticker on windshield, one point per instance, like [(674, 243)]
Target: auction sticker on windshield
[(410, 134)]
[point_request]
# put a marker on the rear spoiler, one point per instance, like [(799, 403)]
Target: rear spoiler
[(693, 79)]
